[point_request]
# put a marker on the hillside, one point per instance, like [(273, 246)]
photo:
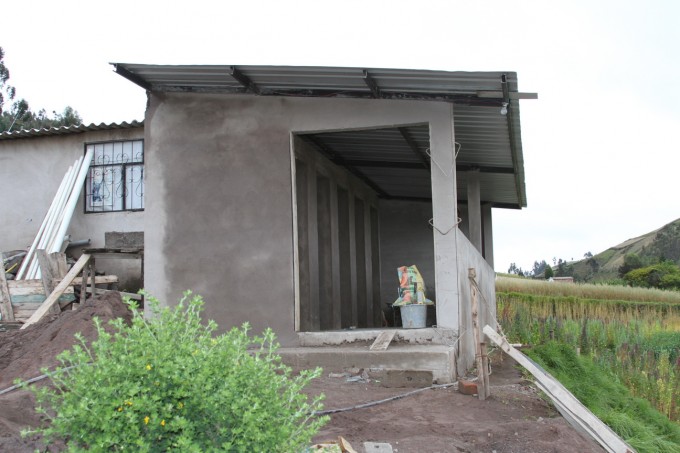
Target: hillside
[(661, 243)]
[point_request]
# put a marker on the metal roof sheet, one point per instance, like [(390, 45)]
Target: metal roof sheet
[(488, 140), (66, 130)]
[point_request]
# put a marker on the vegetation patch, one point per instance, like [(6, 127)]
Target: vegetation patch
[(634, 419), (169, 384)]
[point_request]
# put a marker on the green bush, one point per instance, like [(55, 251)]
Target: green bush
[(664, 275), (168, 384)]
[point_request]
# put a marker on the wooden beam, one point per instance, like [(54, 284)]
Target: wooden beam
[(483, 390), (6, 311), (48, 271), (414, 147), (61, 287), (132, 77), (339, 160), (564, 399), (512, 95), (372, 85), (99, 280), (243, 80)]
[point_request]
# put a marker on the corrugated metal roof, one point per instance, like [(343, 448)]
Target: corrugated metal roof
[(66, 130), (488, 140)]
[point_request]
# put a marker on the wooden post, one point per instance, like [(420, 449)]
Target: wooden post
[(5, 301), (92, 276), (61, 287), (48, 269), (480, 348)]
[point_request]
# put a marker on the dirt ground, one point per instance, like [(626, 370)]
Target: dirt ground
[(513, 419)]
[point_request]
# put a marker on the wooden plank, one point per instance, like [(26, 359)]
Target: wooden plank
[(482, 390), (99, 280), (48, 271), (578, 413), (383, 340), (6, 311), (83, 288), (133, 296), (19, 288), (39, 298), (93, 272), (54, 296)]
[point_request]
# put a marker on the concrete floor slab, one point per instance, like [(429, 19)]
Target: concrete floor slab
[(429, 335)]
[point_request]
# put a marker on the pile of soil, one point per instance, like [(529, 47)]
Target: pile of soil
[(24, 352)]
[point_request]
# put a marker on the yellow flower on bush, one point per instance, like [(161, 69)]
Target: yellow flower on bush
[(162, 422), (180, 404), (120, 409), (148, 367), (146, 420)]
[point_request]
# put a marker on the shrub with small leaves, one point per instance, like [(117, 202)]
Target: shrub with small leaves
[(168, 383)]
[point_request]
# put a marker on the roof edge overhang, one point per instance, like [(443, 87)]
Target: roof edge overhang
[(482, 89)]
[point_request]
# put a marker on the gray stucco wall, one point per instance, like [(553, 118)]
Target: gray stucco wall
[(219, 194), (405, 239), (31, 170)]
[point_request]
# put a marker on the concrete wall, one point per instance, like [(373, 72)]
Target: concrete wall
[(405, 239), (469, 257), (337, 243), (219, 194), (31, 170)]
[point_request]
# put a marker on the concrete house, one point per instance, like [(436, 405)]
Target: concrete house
[(32, 164), (288, 196)]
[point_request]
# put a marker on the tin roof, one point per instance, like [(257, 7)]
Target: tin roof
[(66, 130), (489, 141)]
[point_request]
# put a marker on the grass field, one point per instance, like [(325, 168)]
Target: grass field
[(631, 335)]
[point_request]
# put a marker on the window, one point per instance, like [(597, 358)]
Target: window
[(115, 181)]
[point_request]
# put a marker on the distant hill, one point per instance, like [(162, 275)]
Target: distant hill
[(661, 243)]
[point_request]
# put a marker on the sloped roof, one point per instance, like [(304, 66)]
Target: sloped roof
[(66, 130), (489, 141)]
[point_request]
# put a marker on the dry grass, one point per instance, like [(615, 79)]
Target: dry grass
[(585, 291)]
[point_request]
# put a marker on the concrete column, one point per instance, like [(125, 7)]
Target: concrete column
[(487, 226), (474, 209), (443, 174)]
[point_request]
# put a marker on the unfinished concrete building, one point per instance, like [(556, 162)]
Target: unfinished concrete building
[(288, 196)]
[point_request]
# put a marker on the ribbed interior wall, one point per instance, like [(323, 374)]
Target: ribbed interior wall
[(338, 251)]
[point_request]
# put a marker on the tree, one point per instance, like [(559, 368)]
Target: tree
[(588, 255), (549, 273), (16, 114), (631, 261)]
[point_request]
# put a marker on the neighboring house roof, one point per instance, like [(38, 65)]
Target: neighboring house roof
[(490, 142), (66, 130)]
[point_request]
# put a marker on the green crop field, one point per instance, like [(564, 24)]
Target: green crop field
[(631, 335)]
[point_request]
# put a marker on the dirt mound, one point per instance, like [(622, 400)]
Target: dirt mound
[(24, 352)]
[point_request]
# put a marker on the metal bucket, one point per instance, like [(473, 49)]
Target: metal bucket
[(413, 316)]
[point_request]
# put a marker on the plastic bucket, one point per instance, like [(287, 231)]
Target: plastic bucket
[(413, 316)]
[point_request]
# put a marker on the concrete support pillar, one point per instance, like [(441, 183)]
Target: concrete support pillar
[(443, 174), (474, 209), (487, 226)]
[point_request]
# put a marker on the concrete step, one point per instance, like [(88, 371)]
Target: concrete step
[(426, 336), (408, 361)]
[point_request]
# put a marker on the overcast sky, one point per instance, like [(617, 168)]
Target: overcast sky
[(600, 144)]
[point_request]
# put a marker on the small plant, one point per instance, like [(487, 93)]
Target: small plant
[(168, 384)]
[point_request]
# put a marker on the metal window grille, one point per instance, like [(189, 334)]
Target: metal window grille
[(115, 181)]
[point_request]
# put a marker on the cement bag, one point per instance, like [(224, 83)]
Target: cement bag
[(411, 287)]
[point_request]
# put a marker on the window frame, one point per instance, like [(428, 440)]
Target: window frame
[(124, 166)]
